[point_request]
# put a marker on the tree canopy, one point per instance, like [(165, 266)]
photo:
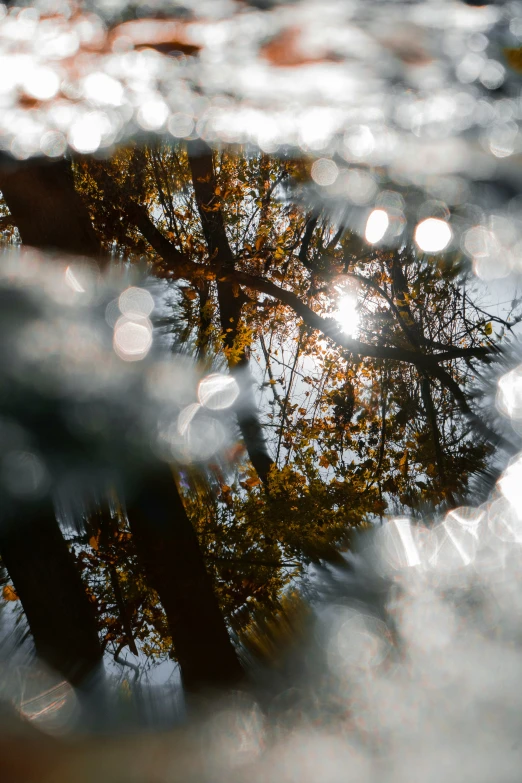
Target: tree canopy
[(354, 363)]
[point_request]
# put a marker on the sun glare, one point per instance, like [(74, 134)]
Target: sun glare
[(347, 314)]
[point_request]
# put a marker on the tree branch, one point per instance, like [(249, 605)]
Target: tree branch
[(178, 266), (230, 302), (452, 386)]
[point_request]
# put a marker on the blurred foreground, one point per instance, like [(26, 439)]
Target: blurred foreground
[(260, 400)]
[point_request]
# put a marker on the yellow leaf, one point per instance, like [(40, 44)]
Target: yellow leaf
[(9, 593), (488, 328)]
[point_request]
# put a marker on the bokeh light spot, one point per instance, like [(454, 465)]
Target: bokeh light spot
[(324, 172), (217, 391), (53, 144), (99, 87), (136, 301), (186, 416), (152, 115), (181, 125), (132, 339), (41, 83), (433, 235), (73, 282), (376, 226), (23, 474), (85, 134)]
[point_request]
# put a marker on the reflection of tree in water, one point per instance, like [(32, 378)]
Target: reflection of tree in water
[(352, 342), (338, 429)]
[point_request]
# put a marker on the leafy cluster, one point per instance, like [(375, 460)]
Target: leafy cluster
[(335, 430)]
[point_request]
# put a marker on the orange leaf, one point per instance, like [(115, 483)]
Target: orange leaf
[(514, 59), (287, 50), (9, 593), (160, 34)]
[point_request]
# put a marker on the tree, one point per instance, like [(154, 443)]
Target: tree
[(171, 557), (338, 427), (169, 549), (230, 301), (268, 257), (46, 581), (40, 194)]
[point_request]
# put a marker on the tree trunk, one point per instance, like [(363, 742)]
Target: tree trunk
[(45, 207), (50, 214), (169, 551), (230, 303), (60, 616)]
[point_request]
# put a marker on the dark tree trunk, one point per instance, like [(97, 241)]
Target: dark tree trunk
[(230, 302), (45, 207), (60, 616), (169, 551), (50, 214), (248, 420)]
